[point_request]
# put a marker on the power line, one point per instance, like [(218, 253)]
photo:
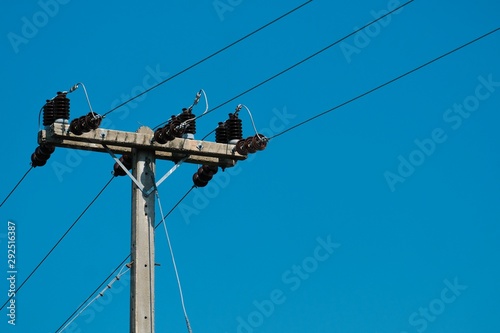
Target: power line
[(306, 59), (92, 294), (386, 83), (310, 119), (175, 206), (17, 185), (208, 57), (119, 265), (101, 294), (239, 95), (58, 242)]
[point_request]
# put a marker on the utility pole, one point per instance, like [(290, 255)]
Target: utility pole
[(144, 153), (142, 243)]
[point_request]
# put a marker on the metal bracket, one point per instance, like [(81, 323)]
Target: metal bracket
[(117, 160), (162, 179), (139, 185)]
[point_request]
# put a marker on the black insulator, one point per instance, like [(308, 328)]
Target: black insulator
[(234, 128), (173, 128), (75, 127), (204, 174), (221, 133), (190, 126), (163, 135), (259, 142), (127, 163), (248, 143), (44, 151), (251, 144), (169, 132), (36, 161), (93, 121), (241, 147), (117, 170), (56, 108), (41, 155), (85, 124), (198, 182), (48, 113), (158, 137)]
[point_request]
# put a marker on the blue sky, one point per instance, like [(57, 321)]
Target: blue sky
[(379, 217)]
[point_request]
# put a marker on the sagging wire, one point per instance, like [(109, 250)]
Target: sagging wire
[(123, 261), (58, 241), (308, 58), (76, 86), (122, 272), (188, 324), (16, 186), (238, 108), (206, 136), (397, 78)]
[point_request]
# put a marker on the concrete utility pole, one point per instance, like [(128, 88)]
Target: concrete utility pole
[(145, 153)]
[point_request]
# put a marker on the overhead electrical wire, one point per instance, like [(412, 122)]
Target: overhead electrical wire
[(175, 206), (73, 88), (207, 57), (299, 63), (306, 59), (387, 83), (16, 186), (179, 286), (58, 242), (85, 302), (312, 118)]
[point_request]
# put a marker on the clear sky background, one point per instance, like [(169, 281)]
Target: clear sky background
[(404, 182)]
